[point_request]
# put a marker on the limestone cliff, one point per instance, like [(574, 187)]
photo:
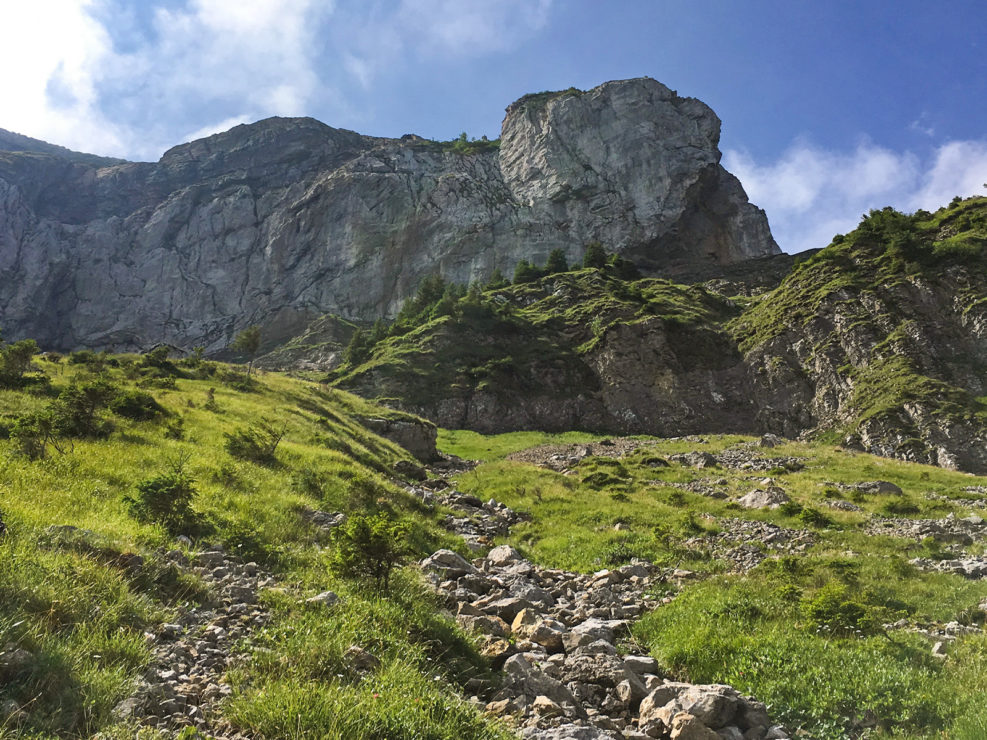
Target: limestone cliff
[(287, 219)]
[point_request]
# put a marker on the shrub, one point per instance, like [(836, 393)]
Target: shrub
[(175, 428), (165, 499), (257, 443), (247, 342), (158, 363), (309, 481), (814, 518), (790, 508), (497, 280), (15, 360), (602, 479), (369, 547), (595, 255), (618, 553), (676, 498), (525, 272), (136, 405), (237, 381), (32, 433), (899, 508), (833, 611), (95, 362), (359, 349), (556, 262), (76, 411), (244, 539), (624, 269)]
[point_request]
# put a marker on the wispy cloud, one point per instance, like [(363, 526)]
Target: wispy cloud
[(923, 125), (92, 75), (810, 193), (53, 54), (444, 29), (466, 29)]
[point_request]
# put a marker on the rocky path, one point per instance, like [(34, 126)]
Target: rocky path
[(184, 683), (554, 636)]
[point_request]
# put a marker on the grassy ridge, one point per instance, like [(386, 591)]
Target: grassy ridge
[(532, 338), (67, 598)]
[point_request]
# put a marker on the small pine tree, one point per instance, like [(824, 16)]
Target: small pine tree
[(248, 342), (378, 332), (556, 262), (166, 499), (624, 269), (369, 547), (358, 350), (595, 256), (497, 280), (525, 272)]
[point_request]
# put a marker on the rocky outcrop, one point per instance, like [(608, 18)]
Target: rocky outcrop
[(579, 352), (893, 360), (281, 221), (417, 436)]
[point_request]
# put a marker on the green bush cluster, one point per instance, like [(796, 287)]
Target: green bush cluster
[(165, 499), (369, 547), (136, 405), (257, 443), (834, 611), (472, 305), (15, 362)]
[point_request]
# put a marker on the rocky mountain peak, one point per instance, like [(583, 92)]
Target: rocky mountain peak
[(271, 142), (286, 219), (634, 148)]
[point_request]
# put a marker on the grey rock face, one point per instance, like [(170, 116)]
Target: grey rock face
[(287, 219), (658, 183)]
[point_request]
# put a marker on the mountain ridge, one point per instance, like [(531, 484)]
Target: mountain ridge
[(278, 222)]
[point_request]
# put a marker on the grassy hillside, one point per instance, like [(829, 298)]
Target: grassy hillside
[(531, 348), (791, 605), (85, 575), (813, 607)]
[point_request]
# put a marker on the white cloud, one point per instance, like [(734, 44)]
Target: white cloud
[(73, 88), (260, 51), (215, 128), (445, 29), (810, 193), (52, 54), (960, 168), (111, 78)]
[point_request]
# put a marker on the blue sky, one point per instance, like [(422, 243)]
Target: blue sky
[(829, 107)]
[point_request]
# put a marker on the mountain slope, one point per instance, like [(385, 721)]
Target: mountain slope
[(281, 221), (882, 336), (12, 142), (156, 571), (878, 340)]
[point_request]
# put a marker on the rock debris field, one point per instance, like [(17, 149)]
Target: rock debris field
[(184, 683), (554, 635)]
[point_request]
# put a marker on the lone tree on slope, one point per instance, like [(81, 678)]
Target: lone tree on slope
[(248, 342)]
